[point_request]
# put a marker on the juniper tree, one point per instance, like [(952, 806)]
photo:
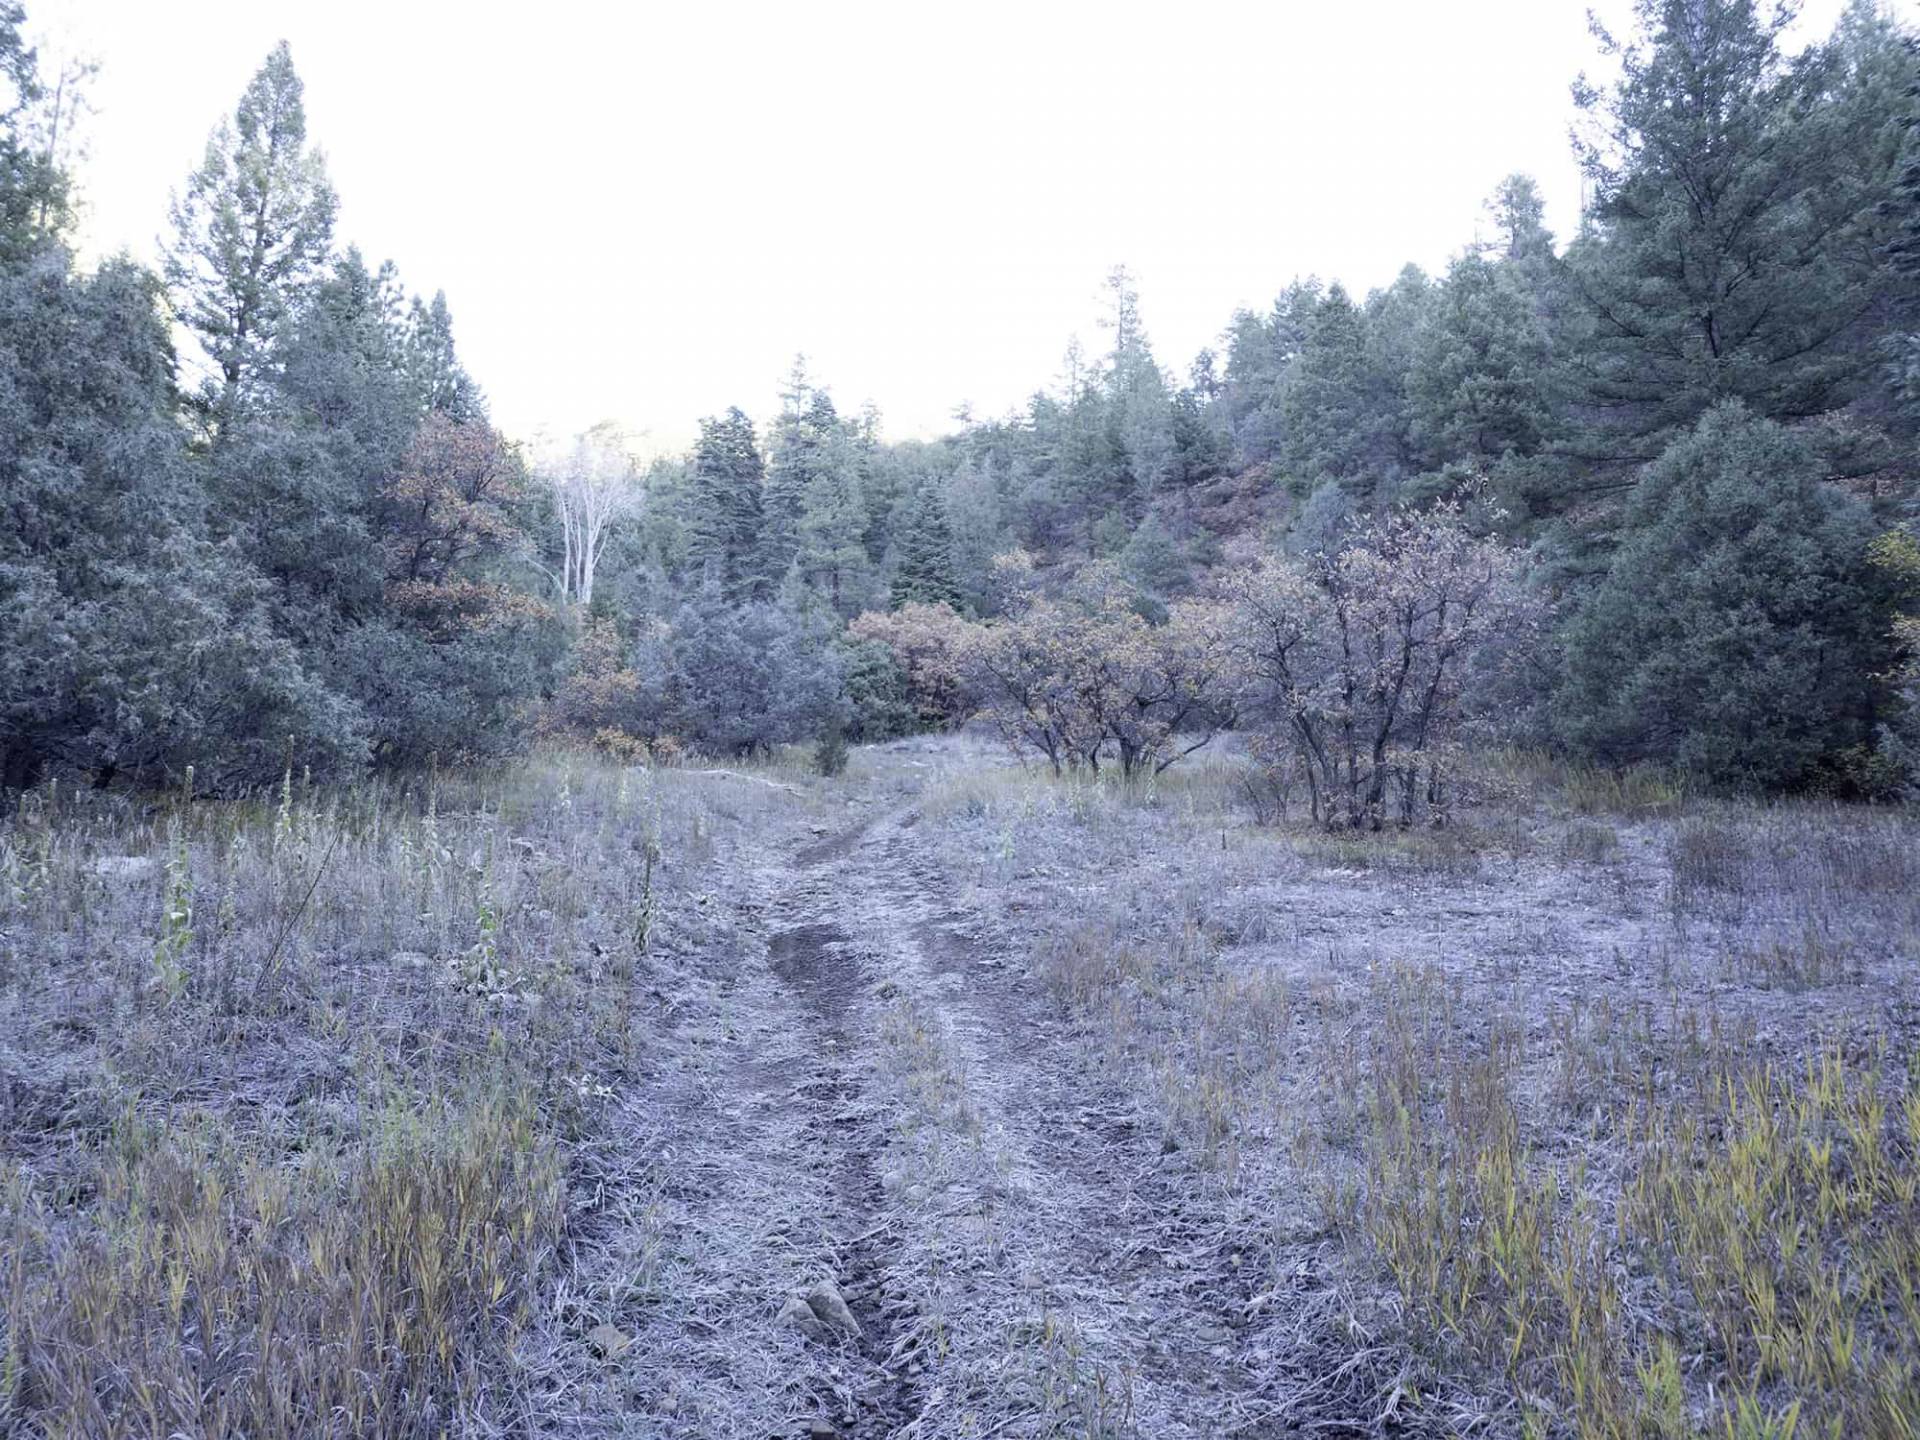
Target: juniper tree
[(1735, 631), (128, 642), (750, 676)]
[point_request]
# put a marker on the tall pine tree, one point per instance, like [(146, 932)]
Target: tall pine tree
[(924, 572), (252, 231), (726, 507), (1726, 258)]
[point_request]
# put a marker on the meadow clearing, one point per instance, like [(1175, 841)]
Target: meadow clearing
[(543, 1100)]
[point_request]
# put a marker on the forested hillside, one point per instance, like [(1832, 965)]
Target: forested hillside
[(1644, 493)]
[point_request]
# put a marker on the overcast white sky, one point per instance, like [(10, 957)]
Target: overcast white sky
[(641, 212)]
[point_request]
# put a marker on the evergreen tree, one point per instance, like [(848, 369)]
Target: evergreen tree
[(1199, 446), (976, 516), (1328, 401), (1518, 214), (1261, 353), (1727, 257), (818, 510), (251, 231), (750, 676), (1735, 632), (1479, 378), (296, 473), (33, 190), (833, 558), (128, 642), (725, 507), (925, 570), (439, 382), (1083, 475), (1140, 410), (1397, 318)]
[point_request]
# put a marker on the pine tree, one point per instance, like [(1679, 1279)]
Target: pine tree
[(1332, 427), (439, 382), (976, 516), (297, 471), (1140, 403), (1396, 320), (1519, 221), (251, 232), (925, 571), (1261, 351), (808, 442), (832, 555), (1726, 258), (33, 189), (1889, 62), (725, 507), (1479, 380)]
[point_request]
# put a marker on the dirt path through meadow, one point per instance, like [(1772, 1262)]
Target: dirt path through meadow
[(1016, 1244), (874, 1091)]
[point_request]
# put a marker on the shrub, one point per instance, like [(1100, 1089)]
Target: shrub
[(601, 690), (1361, 659), (924, 642), (1069, 679), (749, 677), (1896, 555), (879, 694), (830, 750)]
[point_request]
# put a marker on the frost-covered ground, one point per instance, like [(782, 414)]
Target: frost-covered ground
[(542, 1104)]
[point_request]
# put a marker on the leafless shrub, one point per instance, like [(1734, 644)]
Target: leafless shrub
[(1361, 658)]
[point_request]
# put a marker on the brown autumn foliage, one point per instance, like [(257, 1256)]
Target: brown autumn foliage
[(448, 513), (1071, 679), (926, 642)]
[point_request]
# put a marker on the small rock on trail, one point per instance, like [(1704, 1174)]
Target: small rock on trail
[(830, 1305), (821, 1314)]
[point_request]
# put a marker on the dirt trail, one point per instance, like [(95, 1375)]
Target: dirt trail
[(1017, 1246), (866, 1081), (864, 1085)]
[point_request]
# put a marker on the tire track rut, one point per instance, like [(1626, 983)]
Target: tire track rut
[(1013, 1236)]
